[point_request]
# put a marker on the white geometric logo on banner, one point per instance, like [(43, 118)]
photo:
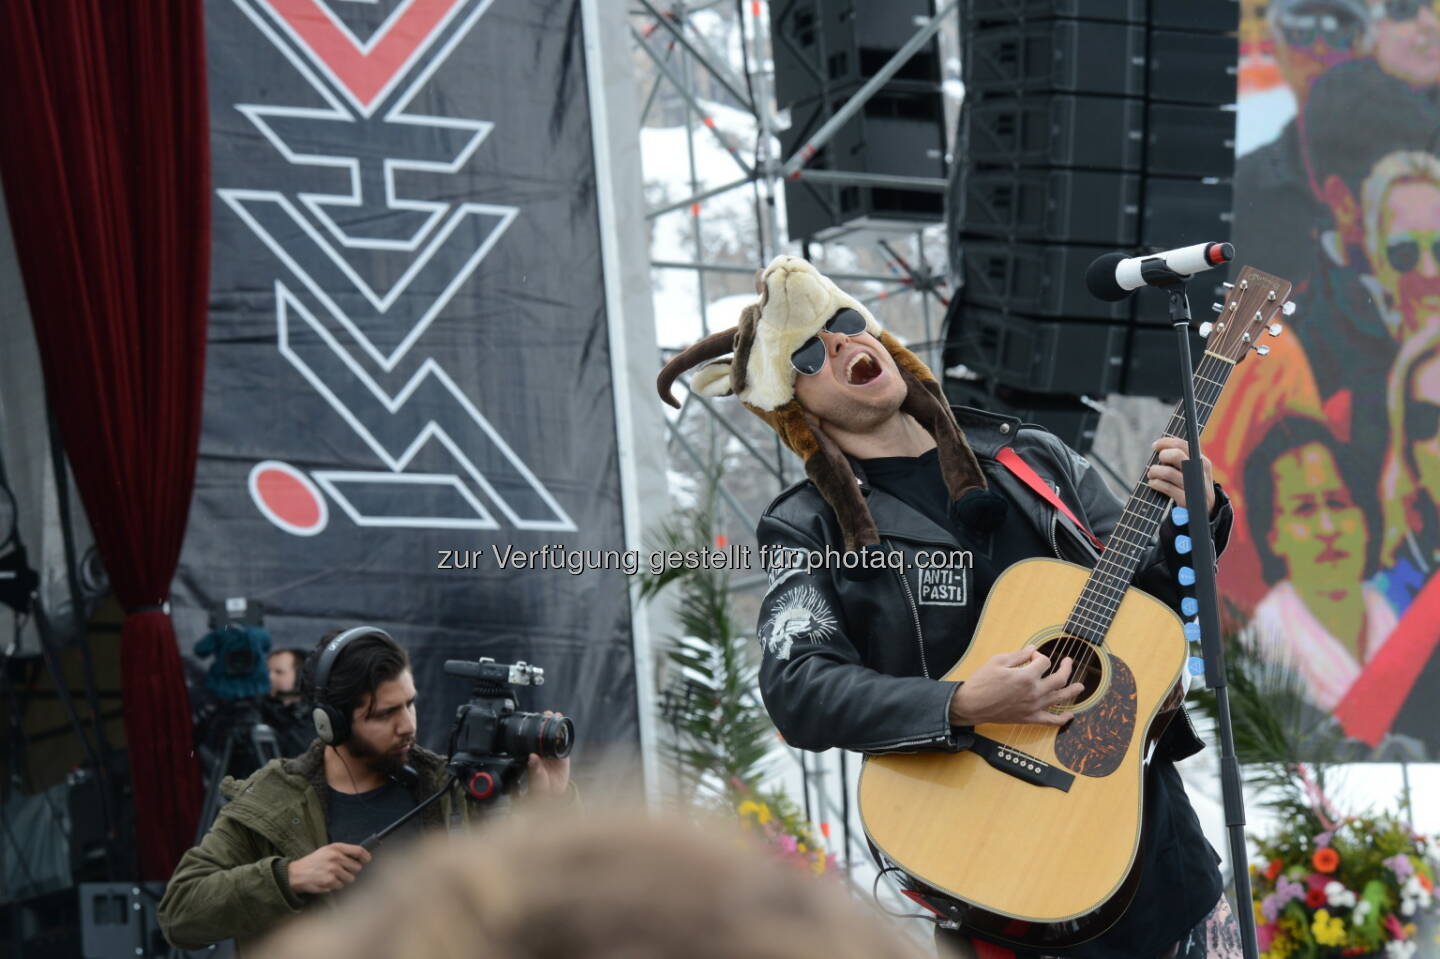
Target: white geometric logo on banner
[(329, 242)]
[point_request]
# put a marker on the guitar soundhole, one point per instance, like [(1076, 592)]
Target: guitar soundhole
[(1087, 663)]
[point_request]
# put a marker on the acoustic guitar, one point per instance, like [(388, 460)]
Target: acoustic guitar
[(1031, 837)]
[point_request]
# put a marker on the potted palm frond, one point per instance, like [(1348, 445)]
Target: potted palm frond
[(724, 741)]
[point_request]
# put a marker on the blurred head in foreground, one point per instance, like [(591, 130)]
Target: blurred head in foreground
[(600, 887)]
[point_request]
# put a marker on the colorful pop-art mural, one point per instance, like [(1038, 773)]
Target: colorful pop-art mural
[(1331, 446)]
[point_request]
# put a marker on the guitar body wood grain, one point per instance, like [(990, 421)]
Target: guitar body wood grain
[(1039, 863)]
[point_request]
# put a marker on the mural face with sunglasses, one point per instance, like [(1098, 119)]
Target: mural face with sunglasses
[(1310, 38), (1408, 266), (1407, 40), (1422, 421), (846, 377)]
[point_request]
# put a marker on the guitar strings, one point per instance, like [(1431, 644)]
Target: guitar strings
[(1149, 508), (1100, 600), (1094, 611)]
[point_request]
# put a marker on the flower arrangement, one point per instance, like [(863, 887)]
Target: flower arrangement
[(1324, 884), (1357, 889), (775, 819)]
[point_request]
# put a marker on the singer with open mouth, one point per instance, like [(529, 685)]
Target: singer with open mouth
[(853, 656)]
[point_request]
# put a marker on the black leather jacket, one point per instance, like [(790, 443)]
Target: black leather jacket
[(853, 663)]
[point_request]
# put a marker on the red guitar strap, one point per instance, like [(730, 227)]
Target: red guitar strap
[(1011, 460)]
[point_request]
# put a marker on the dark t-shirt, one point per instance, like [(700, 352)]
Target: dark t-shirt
[(355, 817), (1179, 883)]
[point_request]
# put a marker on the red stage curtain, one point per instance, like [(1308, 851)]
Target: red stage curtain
[(104, 152)]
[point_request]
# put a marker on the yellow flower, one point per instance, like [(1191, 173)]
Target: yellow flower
[(760, 811), (1280, 948), (818, 866), (1328, 930)]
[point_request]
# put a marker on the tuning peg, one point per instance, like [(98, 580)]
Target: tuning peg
[(1228, 285), (1263, 350), (1218, 307), (1274, 329), (1289, 308), (1205, 329)]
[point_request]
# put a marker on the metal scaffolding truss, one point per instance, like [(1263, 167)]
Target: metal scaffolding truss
[(683, 60), (684, 65)]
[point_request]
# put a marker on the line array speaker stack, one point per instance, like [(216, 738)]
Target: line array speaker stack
[(825, 51), (1088, 126)]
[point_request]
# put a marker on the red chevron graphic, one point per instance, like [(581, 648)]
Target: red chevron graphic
[(364, 73)]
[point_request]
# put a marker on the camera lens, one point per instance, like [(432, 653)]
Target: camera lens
[(550, 737)]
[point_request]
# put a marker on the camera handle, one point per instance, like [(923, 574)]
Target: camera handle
[(379, 837)]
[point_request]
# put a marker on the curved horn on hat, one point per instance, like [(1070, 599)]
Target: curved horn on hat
[(713, 346)]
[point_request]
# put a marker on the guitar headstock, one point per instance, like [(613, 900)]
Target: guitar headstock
[(1248, 313)]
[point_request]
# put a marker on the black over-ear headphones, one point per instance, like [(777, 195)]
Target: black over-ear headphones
[(332, 725)]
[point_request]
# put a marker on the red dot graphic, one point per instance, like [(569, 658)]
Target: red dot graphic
[(286, 497)]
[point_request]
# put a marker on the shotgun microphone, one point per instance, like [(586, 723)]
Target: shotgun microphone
[(1115, 276)]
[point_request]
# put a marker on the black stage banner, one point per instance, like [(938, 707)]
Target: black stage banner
[(408, 362)]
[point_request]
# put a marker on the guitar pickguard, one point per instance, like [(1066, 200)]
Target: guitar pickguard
[(1096, 740)]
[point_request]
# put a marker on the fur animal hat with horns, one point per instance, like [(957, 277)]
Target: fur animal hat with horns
[(752, 361)]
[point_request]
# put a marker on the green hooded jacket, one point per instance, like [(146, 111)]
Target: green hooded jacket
[(235, 884)]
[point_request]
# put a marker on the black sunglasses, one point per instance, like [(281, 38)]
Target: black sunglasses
[(1422, 420), (1340, 32), (1402, 10), (809, 359), (1404, 256)]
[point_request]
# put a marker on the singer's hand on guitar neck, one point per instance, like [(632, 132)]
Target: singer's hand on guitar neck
[(1013, 688), (1166, 475)]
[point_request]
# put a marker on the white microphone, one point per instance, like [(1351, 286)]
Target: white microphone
[(1115, 275)]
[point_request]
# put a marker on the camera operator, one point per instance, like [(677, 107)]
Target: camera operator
[(291, 834), (284, 665), (284, 708)]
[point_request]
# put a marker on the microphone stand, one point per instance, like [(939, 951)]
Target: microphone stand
[(1203, 555)]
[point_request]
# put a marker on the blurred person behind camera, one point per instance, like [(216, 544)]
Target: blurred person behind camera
[(285, 665), (284, 708)]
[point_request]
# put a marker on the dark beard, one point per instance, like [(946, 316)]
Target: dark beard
[(386, 764)]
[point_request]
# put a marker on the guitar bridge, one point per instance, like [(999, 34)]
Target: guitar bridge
[(1022, 765)]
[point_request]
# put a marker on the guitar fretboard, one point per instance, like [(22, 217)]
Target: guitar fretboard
[(1141, 519)]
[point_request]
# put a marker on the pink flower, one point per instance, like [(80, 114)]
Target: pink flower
[(1270, 906), (1287, 889), (1393, 926), (1317, 880), (1323, 840), (786, 843), (1265, 935), (1400, 864)]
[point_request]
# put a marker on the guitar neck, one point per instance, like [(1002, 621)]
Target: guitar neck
[(1144, 512)]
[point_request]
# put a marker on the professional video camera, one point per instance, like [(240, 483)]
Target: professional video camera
[(492, 739)]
